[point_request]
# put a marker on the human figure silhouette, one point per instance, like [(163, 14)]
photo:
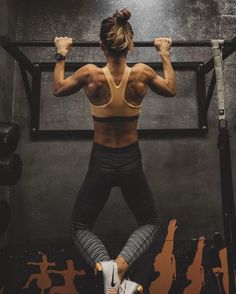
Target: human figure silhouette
[(69, 275), (43, 280), (1, 290), (195, 272), (165, 263), (223, 269)]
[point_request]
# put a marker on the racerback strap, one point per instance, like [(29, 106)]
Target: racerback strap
[(123, 82)]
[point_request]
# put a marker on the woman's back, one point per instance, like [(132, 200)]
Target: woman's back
[(115, 110), (119, 128), (98, 91)]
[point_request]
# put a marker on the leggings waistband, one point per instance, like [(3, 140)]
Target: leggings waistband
[(123, 149)]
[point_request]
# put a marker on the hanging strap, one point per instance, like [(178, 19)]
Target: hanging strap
[(217, 53)]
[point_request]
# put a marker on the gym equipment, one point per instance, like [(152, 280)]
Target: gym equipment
[(221, 50), (10, 169), (9, 138), (5, 215), (35, 69)]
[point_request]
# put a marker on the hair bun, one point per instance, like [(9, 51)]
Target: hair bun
[(122, 16)]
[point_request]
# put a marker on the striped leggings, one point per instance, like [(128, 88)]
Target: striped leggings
[(111, 167)]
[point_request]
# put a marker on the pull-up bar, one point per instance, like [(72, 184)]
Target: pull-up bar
[(201, 43), (14, 48)]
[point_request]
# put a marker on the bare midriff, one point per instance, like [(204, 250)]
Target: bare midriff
[(115, 134)]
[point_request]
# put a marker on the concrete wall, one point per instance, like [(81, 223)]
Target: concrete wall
[(8, 15), (183, 172)]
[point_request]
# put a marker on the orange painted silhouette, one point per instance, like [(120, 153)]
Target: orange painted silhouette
[(43, 280), (69, 274), (165, 264), (223, 269), (195, 272)]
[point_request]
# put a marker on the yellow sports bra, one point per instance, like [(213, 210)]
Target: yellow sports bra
[(117, 107)]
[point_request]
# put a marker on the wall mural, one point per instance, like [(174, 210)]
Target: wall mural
[(44, 281), (221, 272), (179, 267), (69, 274), (195, 272), (165, 263), (165, 266)]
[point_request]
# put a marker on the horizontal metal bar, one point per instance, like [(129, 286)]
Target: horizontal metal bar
[(181, 43), (143, 133), (49, 66), (16, 53)]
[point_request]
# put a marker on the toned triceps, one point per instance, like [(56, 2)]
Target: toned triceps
[(72, 84), (160, 85)]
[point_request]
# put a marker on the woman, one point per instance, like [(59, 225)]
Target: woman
[(115, 93)]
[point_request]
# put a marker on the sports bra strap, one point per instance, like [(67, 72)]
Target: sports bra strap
[(126, 78), (117, 106), (110, 79)]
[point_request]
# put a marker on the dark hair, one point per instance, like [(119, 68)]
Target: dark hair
[(116, 33)]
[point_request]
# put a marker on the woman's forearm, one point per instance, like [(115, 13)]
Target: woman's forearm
[(59, 74), (169, 73), (63, 46)]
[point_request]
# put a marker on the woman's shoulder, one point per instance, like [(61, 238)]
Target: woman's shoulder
[(91, 70), (141, 67), (141, 70), (91, 67)]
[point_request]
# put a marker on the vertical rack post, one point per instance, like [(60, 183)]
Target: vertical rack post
[(223, 145)]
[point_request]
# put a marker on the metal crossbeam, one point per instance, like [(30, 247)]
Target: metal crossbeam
[(175, 43)]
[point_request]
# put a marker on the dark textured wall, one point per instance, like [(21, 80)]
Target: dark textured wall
[(8, 15), (183, 172)]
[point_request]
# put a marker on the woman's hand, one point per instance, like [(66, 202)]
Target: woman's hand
[(163, 44), (63, 45)]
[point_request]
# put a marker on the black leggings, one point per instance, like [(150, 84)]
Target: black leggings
[(111, 167)]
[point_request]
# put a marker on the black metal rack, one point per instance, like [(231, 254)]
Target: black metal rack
[(37, 68), (204, 99), (41, 67)]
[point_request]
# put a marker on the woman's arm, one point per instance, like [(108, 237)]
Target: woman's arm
[(163, 86), (72, 84)]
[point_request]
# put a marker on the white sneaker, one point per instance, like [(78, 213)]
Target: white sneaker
[(111, 280), (129, 287)]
